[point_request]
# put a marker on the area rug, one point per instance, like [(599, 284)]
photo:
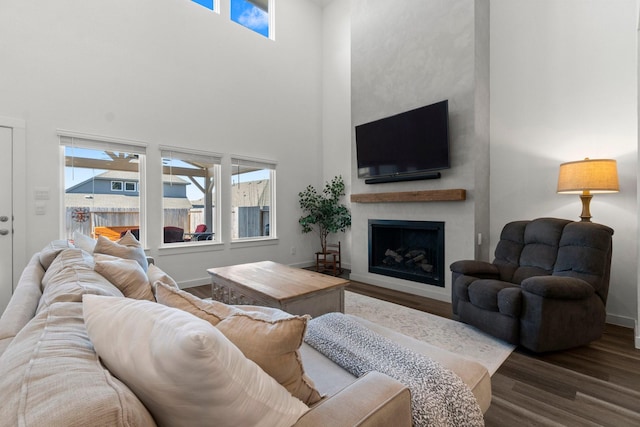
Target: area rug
[(450, 335)]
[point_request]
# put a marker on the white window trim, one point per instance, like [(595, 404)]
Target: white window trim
[(117, 182)]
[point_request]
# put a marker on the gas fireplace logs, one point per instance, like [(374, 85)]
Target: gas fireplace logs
[(413, 258)]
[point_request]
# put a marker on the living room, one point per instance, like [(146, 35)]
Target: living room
[(185, 77), (530, 85)]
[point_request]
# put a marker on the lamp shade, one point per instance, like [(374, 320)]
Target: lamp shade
[(591, 175)]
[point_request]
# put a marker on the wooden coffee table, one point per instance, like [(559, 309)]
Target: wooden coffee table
[(267, 283)]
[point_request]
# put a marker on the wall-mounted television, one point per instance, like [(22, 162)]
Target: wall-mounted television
[(407, 146)]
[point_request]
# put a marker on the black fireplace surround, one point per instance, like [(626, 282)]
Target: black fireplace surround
[(410, 250)]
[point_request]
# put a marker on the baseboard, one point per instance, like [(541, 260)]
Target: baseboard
[(623, 321), (195, 282)]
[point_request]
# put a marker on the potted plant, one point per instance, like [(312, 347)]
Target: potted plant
[(324, 213)]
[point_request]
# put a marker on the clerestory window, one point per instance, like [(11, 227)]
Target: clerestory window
[(255, 15), (209, 4)]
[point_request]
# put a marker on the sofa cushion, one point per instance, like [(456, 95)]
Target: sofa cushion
[(67, 258), (182, 368), (23, 303), (50, 375), (126, 275), (510, 301), (127, 247), (70, 276), (268, 336), (541, 241), (51, 251), (483, 293)]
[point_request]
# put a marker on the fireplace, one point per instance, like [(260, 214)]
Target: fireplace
[(410, 250)]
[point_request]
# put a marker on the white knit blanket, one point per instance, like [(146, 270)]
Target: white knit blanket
[(438, 396)]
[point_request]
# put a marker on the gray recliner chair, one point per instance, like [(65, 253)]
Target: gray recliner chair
[(546, 288)]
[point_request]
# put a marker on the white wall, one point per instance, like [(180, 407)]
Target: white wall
[(564, 87), (336, 106), (173, 73)]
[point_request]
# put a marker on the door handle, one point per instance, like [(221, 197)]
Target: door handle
[(4, 232)]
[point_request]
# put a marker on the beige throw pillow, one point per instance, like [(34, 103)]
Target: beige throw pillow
[(126, 275), (183, 369), (268, 336), (127, 247), (154, 274)]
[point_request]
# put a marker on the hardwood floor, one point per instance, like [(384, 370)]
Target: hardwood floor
[(596, 385)]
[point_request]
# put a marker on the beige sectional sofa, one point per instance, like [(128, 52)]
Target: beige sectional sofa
[(75, 352)]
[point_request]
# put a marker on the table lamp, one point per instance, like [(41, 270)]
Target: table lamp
[(586, 177)]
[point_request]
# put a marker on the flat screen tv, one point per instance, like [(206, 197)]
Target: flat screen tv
[(407, 146)]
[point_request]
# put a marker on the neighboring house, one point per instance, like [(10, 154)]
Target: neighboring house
[(110, 199)]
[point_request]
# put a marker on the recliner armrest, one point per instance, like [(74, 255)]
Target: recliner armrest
[(373, 400), (558, 287), (480, 269)]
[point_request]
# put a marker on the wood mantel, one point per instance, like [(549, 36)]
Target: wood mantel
[(452, 195)]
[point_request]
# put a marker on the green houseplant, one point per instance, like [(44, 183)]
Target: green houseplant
[(323, 212)]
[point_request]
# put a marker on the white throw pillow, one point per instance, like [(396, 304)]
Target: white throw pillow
[(182, 368), (84, 242)]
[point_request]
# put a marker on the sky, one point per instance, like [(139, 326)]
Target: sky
[(245, 14)]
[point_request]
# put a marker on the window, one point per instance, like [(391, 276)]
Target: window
[(253, 199), (254, 15), (190, 195), (209, 4), (96, 171), (129, 186)]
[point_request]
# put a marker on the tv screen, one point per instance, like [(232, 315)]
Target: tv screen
[(407, 145)]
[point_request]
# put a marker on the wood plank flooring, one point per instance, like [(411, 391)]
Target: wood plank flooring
[(596, 385)]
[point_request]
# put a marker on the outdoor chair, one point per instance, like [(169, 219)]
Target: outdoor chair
[(173, 234)]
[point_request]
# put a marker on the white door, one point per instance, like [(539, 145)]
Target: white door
[(6, 216)]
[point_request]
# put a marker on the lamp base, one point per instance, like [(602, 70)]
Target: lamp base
[(586, 200)]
